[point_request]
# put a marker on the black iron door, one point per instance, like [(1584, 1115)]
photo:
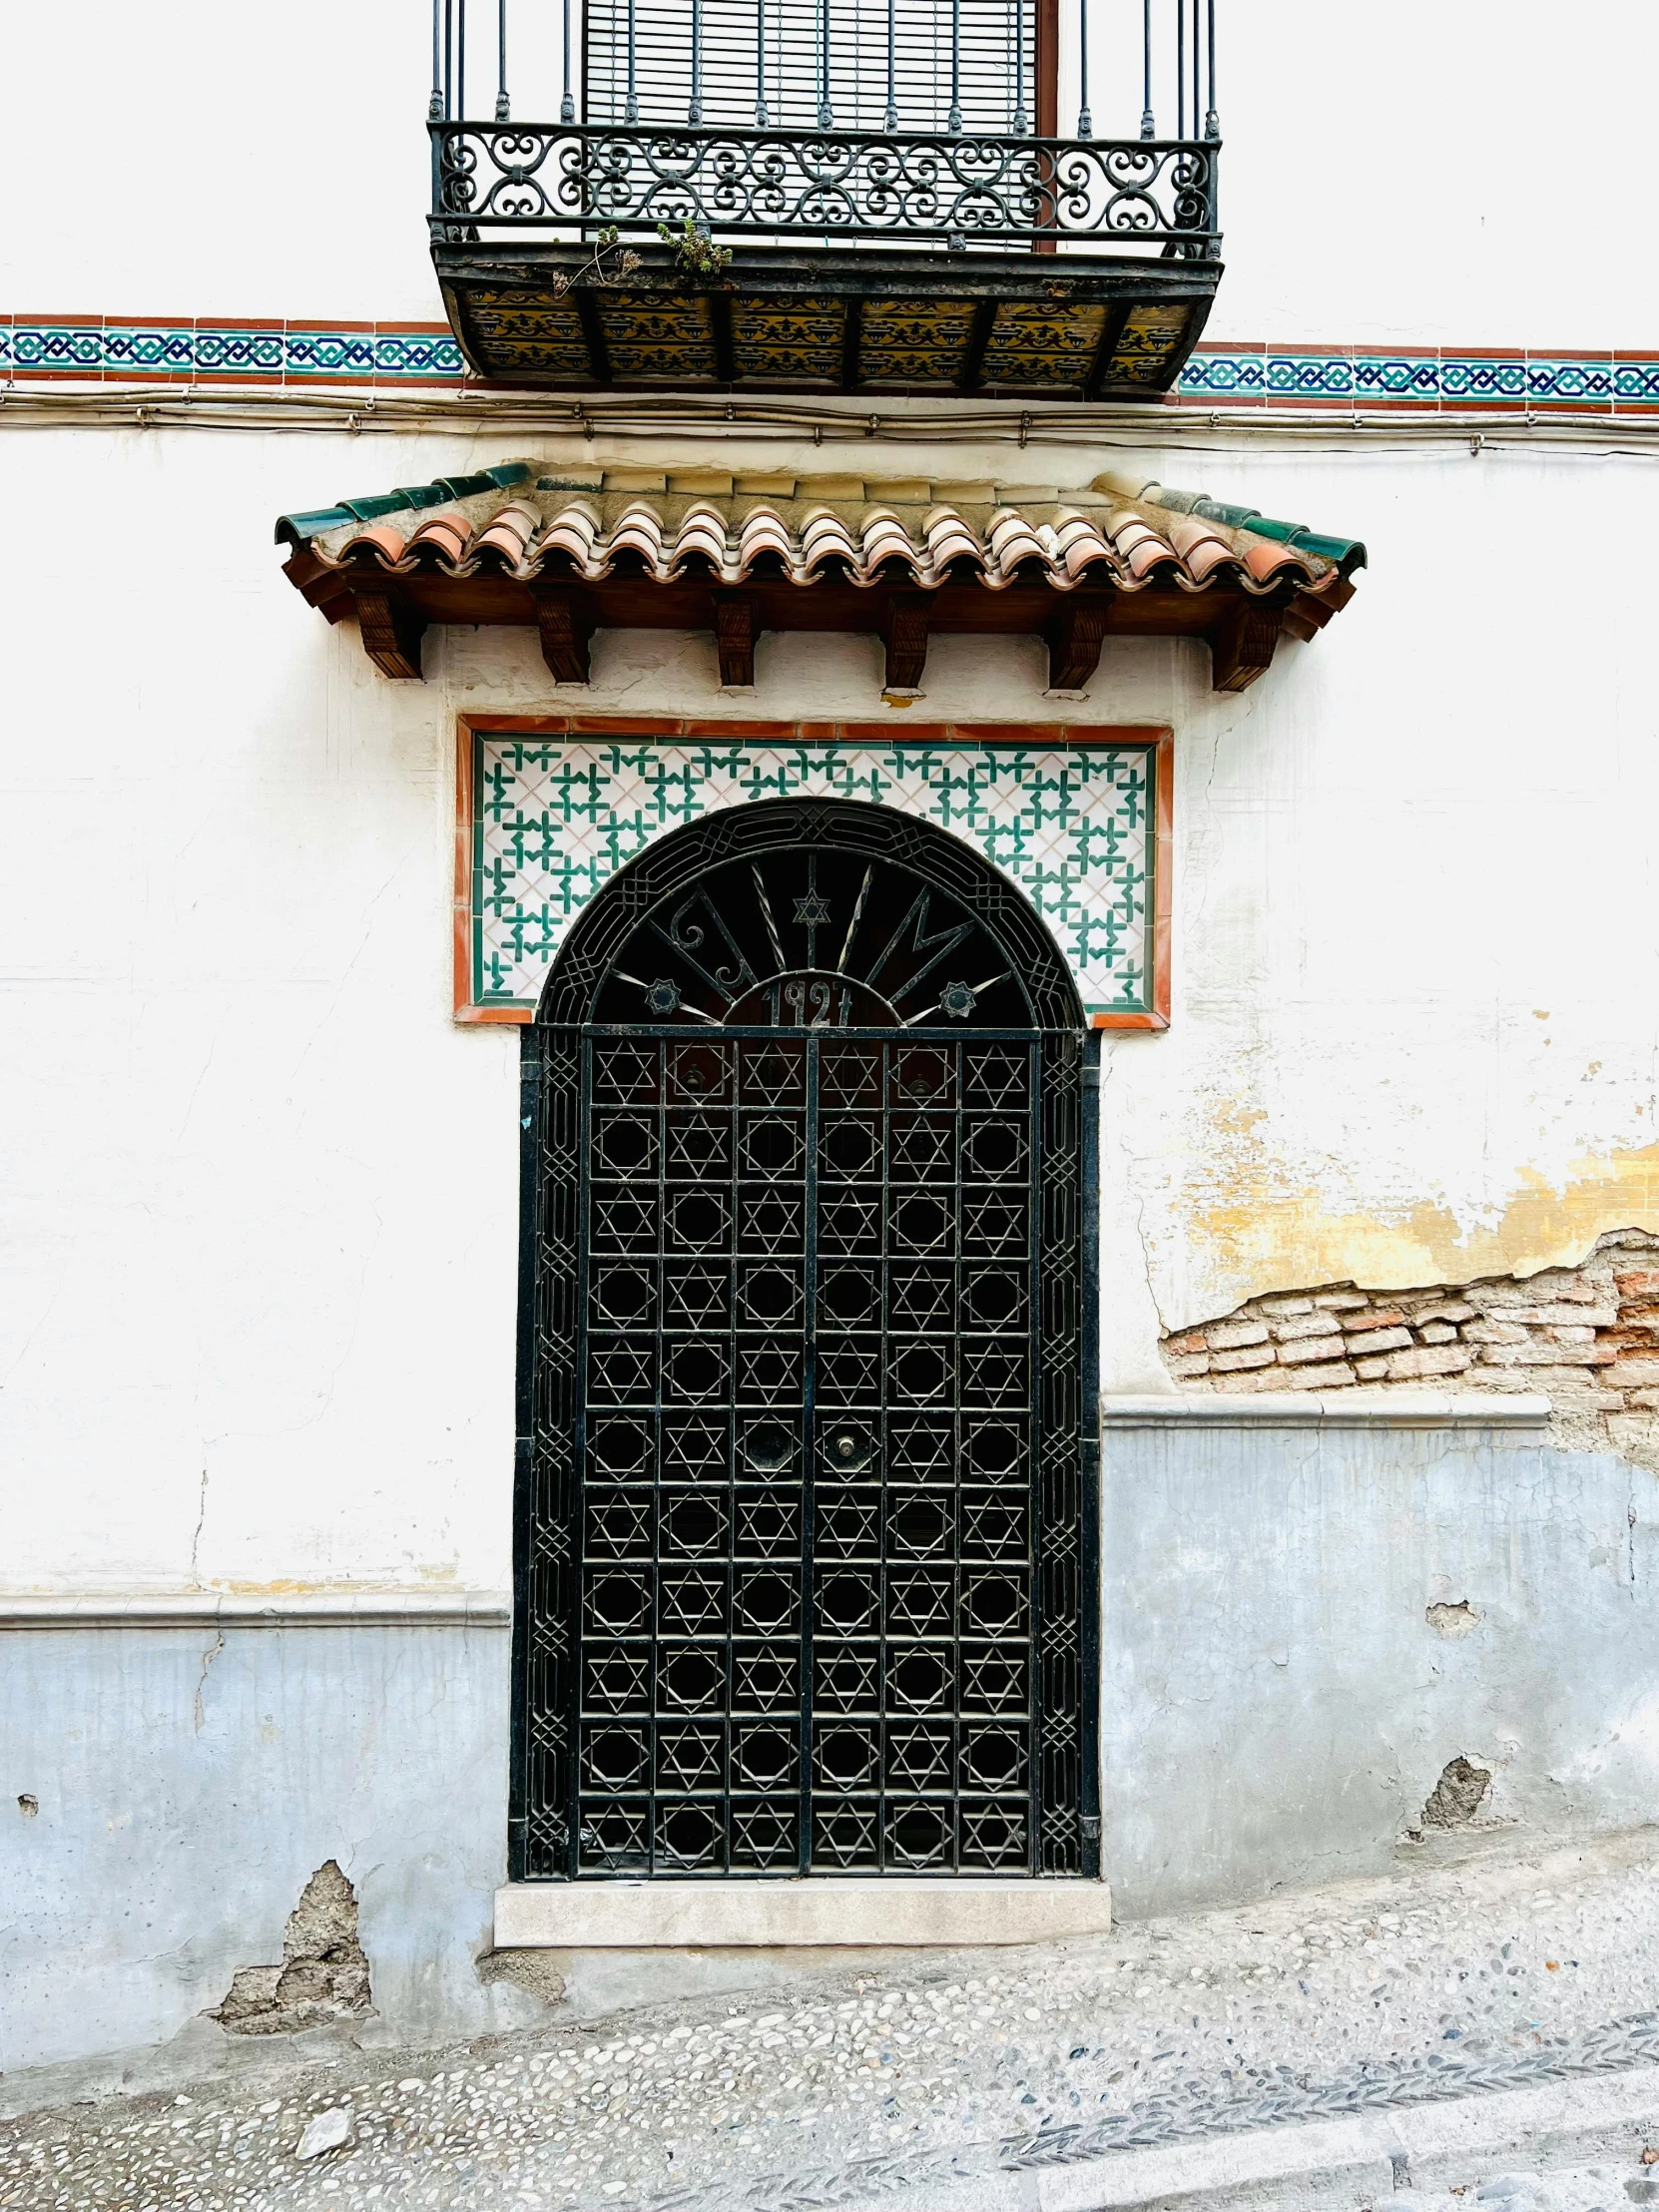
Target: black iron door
[(803, 1542)]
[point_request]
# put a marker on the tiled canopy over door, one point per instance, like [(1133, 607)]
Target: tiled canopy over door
[(802, 1504)]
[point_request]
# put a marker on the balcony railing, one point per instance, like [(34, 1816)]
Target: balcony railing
[(836, 194), (840, 120), (844, 185)]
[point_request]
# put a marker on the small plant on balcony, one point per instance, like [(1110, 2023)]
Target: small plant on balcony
[(694, 249), (609, 263)]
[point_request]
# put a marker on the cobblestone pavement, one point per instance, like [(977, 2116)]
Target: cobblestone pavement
[(1489, 1975)]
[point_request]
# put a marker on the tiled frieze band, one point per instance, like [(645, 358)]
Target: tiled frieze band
[(553, 817), (184, 350), (1409, 379)]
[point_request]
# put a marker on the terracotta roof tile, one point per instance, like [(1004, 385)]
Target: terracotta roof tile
[(584, 525)]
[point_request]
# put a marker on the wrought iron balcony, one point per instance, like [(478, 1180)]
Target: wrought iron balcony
[(821, 195)]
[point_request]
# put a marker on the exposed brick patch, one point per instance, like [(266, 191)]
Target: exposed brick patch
[(1588, 1337)]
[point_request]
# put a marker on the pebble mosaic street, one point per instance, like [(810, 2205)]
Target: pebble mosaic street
[(918, 2081)]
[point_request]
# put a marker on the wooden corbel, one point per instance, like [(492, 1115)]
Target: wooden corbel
[(736, 628), (391, 631), (564, 618), (1243, 648), (1075, 632), (904, 631)]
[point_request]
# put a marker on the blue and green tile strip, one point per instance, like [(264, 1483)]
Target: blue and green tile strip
[(303, 352)]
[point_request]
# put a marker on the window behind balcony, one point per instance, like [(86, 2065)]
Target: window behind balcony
[(804, 60)]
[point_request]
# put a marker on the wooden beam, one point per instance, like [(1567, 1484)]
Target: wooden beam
[(1074, 633), (736, 629), (565, 621), (391, 633), (904, 629), (1243, 647)]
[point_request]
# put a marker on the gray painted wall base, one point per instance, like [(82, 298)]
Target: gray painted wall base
[(769, 1915), (1277, 1703)]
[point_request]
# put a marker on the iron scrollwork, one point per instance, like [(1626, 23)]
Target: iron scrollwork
[(1000, 190)]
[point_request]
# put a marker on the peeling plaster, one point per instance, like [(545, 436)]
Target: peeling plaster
[(1253, 1235)]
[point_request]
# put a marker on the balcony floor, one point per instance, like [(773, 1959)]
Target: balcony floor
[(791, 319)]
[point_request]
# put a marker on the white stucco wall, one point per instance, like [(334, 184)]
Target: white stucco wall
[(260, 1273), (1399, 178)]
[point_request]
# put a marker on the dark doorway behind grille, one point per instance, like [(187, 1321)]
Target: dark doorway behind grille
[(805, 1568)]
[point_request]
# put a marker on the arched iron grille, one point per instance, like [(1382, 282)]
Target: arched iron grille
[(805, 1562)]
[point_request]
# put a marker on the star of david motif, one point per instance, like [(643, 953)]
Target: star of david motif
[(918, 1604), (850, 1222), (917, 1299), (994, 1225), (623, 1224), (688, 1758), (697, 1448), (617, 1679), (918, 1758), (772, 1221), (995, 1525), (846, 1680), (691, 1605), (850, 1077), (696, 1299), (919, 1151), (619, 1526), (698, 1146), (813, 910), (995, 1834), (762, 1834), (993, 1376), (766, 1679), (847, 1526), (994, 1681), (769, 1373), (774, 1078), (769, 1525), (844, 1838), (620, 1371), (846, 1376), (996, 1077), (624, 1072), (919, 1448)]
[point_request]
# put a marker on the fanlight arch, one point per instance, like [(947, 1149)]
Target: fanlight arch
[(894, 860), (804, 1530)]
